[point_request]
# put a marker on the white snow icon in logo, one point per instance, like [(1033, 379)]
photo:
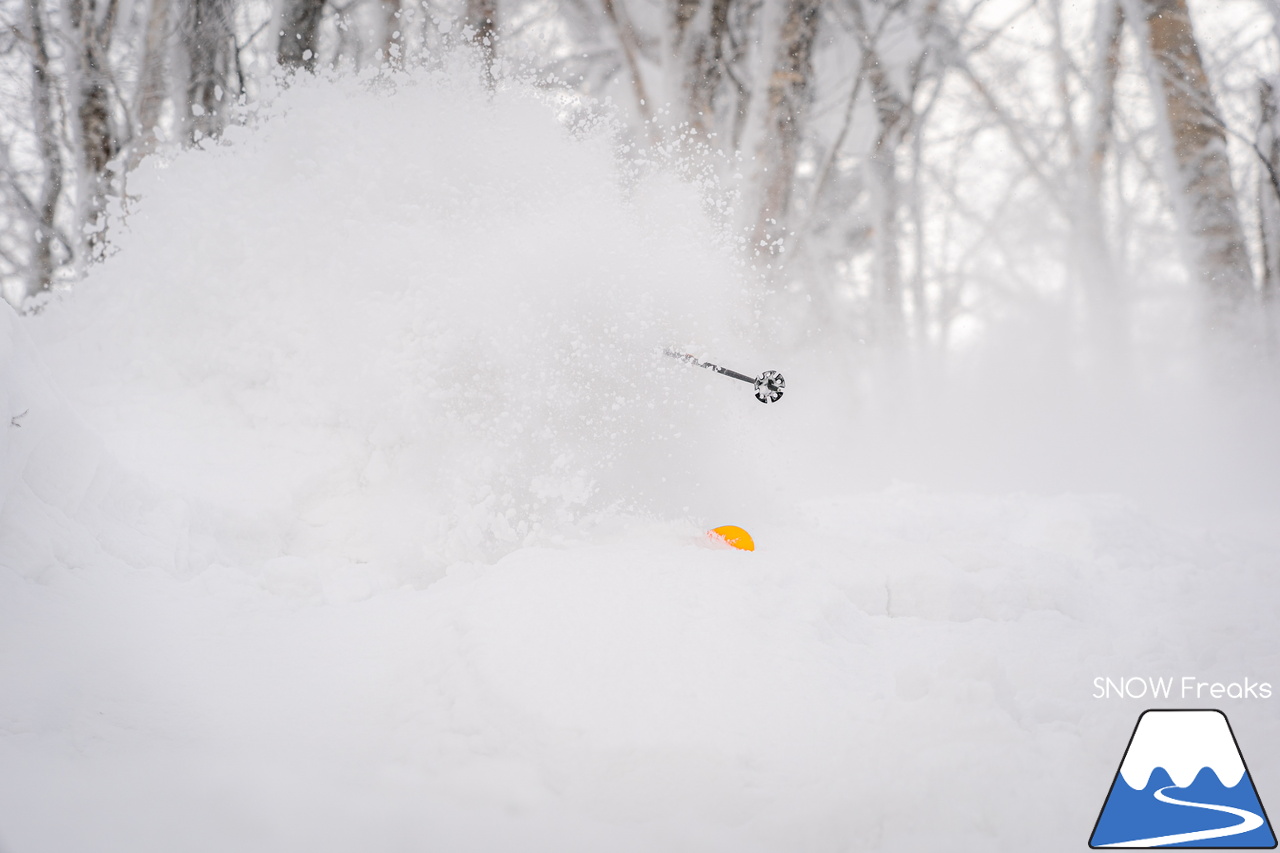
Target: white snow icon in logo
[(1183, 783)]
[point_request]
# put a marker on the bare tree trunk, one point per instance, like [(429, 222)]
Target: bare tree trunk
[(300, 33), (740, 21), (1205, 198), (1091, 250), (482, 20), (98, 140), (888, 233), (154, 80), (786, 106), (627, 43), (210, 43), (1110, 23), (348, 44), (43, 261), (894, 118), (1269, 205), (393, 34), (920, 306), (688, 42), (700, 31)]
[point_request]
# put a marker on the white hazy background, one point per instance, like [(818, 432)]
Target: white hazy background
[(351, 506)]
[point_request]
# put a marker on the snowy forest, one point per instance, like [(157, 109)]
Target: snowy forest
[(905, 171), (349, 499)]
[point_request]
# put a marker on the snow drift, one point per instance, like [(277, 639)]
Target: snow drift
[(49, 460)]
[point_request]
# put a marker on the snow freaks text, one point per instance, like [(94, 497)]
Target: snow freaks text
[(1185, 687)]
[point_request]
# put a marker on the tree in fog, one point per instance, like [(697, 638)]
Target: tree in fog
[(41, 207), (299, 45), (897, 169), (153, 81), (482, 20), (1204, 196), (1268, 196), (213, 80), (1090, 142), (895, 118), (786, 104), (94, 97), (701, 48)]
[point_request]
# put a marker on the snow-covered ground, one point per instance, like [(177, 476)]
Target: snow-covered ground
[(350, 506)]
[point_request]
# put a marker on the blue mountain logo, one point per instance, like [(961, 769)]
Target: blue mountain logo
[(1183, 783)]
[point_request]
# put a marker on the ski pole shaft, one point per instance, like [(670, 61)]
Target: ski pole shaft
[(685, 357), (768, 386)]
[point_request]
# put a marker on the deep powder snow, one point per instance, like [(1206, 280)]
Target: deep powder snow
[(351, 506)]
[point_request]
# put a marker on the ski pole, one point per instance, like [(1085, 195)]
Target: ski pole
[(768, 385)]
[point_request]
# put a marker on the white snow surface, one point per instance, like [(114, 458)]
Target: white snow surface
[(349, 506), (1183, 743)]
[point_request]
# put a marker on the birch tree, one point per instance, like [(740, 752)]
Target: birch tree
[(894, 106), (393, 40), (629, 46), (93, 96), (1205, 199), (482, 20), (153, 82), (1268, 191), (43, 209), (699, 31), (1092, 252), (212, 79), (299, 45), (785, 108)]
